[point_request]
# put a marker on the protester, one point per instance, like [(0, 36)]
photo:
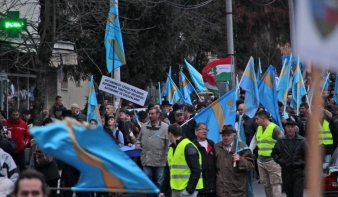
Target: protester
[(184, 160), (49, 171), (27, 118), (166, 107), (6, 142), (77, 115), (233, 161), (20, 136), (153, 139), (207, 151), (189, 127), (30, 183), (327, 135), (108, 112), (58, 106), (289, 152), (179, 117), (304, 113), (45, 119), (265, 138)]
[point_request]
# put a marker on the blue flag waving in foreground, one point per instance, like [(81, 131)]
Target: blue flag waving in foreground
[(103, 166), (219, 113), (249, 84), (92, 109), (268, 95), (196, 78), (115, 57)]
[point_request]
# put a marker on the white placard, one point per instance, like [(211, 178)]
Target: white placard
[(123, 90), (317, 32)]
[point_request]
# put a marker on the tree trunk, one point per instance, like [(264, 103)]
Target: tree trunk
[(46, 31)]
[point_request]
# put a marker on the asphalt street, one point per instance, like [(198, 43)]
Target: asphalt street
[(258, 191)]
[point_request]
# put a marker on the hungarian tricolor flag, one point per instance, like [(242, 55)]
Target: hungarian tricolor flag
[(217, 71)]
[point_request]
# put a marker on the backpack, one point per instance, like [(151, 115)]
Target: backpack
[(41, 159)]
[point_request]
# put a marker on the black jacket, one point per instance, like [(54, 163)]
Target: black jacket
[(7, 144), (208, 167), (287, 158), (189, 129), (192, 159)]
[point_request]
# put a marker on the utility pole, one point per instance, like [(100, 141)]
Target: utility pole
[(292, 25), (230, 40)]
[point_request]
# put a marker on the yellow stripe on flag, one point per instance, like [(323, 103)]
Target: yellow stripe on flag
[(218, 111), (110, 180)]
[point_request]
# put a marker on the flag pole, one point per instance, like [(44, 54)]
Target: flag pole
[(199, 98), (314, 159)]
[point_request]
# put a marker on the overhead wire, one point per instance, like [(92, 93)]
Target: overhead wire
[(262, 4), (185, 6)]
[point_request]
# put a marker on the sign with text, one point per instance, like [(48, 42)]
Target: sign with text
[(123, 90)]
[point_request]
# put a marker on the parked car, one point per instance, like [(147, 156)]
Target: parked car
[(330, 178)]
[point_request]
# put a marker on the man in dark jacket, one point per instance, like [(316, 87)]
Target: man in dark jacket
[(289, 153), (58, 106), (189, 127), (206, 148), (184, 173)]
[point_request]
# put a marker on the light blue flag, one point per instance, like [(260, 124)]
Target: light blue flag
[(268, 95), (240, 131), (136, 118), (115, 57), (159, 99), (174, 93), (219, 113), (249, 84), (259, 73), (186, 88), (249, 182), (102, 164), (237, 88), (166, 86), (324, 82), (196, 78), (92, 108), (336, 90), (298, 88), (283, 82)]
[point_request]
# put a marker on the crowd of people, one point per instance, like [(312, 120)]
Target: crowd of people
[(176, 152)]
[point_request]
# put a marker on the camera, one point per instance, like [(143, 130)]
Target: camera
[(5, 130)]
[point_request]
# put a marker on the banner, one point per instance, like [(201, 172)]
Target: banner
[(123, 90)]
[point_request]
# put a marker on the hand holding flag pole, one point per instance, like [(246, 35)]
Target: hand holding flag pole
[(236, 150)]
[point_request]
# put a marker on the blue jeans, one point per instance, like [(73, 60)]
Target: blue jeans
[(156, 174)]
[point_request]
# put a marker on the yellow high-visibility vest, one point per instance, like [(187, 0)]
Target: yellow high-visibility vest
[(179, 169), (265, 142), (325, 135)]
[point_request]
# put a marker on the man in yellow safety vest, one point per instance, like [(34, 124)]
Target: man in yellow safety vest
[(184, 172), (266, 138)]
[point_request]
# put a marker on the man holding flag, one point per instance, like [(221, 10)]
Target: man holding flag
[(265, 138), (233, 161)]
